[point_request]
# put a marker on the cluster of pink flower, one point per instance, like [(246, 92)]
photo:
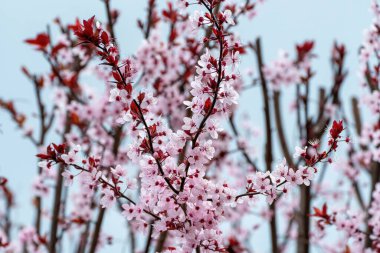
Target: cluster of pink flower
[(285, 71), (370, 47), (156, 146), (196, 205), (373, 101), (283, 177), (369, 74), (349, 223), (153, 146), (370, 137), (184, 211)]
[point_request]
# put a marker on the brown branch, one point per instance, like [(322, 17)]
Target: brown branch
[(151, 6), (375, 178), (236, 133), (149, 239), (356, 114), (98, 226), (358, 195), (57, 197), (161, 241), (268, 132), (109, 20), (305, 200), (321, 105), (304, 222), (280, 128), (83, 239), (132, 238)]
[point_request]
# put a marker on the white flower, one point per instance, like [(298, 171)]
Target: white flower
[(118, 171), (299, 152), (108, 198), (69, 177), (70, 158), (228, 17)]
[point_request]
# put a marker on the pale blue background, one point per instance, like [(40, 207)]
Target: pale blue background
[(280, 23)]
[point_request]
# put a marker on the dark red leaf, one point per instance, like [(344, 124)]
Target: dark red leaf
[(41, 41)]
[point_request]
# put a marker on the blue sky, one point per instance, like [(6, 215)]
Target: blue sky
[(280, 24)]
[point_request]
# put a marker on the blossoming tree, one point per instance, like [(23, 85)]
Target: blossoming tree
[(161, 141)]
